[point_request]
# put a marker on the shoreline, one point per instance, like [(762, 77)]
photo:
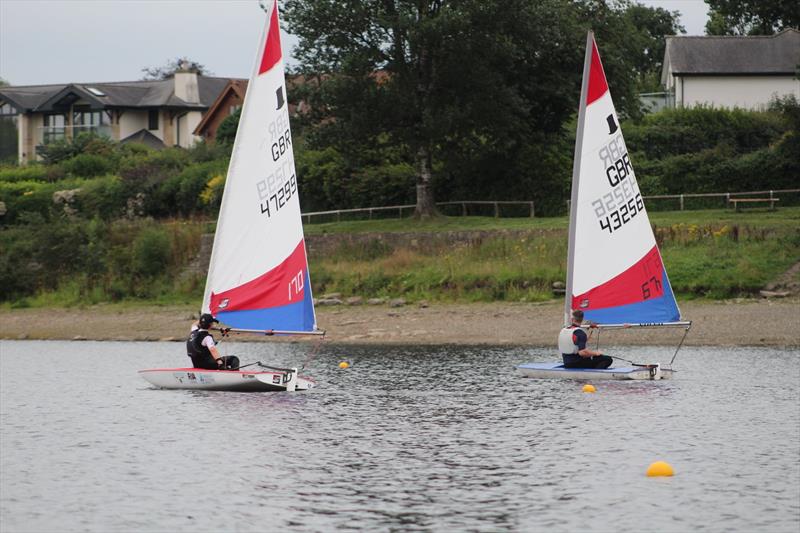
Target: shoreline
[(740, 322)]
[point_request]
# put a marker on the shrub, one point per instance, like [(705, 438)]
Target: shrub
[(27, 173), (87, 165), (151, 252), (103, 197)]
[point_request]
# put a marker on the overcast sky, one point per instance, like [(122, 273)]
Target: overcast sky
[(62, 41)]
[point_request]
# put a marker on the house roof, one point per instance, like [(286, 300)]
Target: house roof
[(143, 94), (742, 55), (238, 87), (144, 137)]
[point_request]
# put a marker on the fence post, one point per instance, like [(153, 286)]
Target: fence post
[(681, 202), (496, 210), (728, 199), (568, 207), (463, 209), (338, 216), (370, 213), (532, 211), (399, 212)]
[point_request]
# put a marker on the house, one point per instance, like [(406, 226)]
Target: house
[(155, 112), (727, 71), (231, 98)]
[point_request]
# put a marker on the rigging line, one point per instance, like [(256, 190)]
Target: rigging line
[(685, 333), (314, 351)]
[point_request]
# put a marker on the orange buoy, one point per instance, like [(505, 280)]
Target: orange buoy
[(659, 469)]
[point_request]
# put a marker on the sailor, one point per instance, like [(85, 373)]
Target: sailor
[(202, 350), (572, 344)]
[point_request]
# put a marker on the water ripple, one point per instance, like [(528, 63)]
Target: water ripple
[(407, 439)]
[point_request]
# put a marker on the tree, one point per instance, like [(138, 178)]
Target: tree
[(172, 66), (751, 17), (226, 132), (438, 76)]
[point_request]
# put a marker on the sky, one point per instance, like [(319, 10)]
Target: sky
[(82, 41)]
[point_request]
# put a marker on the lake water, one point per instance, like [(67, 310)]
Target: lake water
[(408, 438)]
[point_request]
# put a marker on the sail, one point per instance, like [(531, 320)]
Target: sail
[(615, 271), (258, 276)]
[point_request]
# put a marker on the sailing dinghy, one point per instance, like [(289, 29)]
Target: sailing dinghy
[(258, 280), (615, 273)]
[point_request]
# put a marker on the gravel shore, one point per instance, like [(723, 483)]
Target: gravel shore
[(746, 322)]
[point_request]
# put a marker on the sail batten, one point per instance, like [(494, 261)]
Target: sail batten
[(615, 271), (258, 275)]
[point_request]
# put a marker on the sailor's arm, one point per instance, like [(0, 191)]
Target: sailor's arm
[(586, 352), (214, 353)]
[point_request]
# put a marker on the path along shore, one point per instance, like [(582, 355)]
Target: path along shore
[(741, 322)]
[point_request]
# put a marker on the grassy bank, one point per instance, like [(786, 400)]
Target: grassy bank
[(711, 254)]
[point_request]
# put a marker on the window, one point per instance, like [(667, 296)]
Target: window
[(7, 111), (54, 128), (95, 91), (234, 109), (85, 119), (8, 132), (152, 119)]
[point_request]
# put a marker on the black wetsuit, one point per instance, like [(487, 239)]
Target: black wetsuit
[(573, 360), (201, 355)]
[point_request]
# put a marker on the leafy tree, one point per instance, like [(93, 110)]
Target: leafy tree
[(436, 77), (174, 65), (226, 132), (4, 83), (461, 89), (751, 17)]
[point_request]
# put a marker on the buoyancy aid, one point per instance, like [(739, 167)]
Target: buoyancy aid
[(566, 341), (200, 355)]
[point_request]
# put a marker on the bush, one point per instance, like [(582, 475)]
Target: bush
[(182, 192), (102, 197), (26, 173), (87, 165), (151, 253), (27, 197), (226, 132)]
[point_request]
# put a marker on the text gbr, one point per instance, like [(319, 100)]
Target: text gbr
[(620, 205)]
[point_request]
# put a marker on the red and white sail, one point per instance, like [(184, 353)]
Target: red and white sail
[(615, 271), (258, 276)]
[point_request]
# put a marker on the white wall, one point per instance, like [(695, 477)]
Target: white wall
[(748, 92), (187, 124), (132, 121)]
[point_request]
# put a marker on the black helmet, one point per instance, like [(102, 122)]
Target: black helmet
[(206, 320)]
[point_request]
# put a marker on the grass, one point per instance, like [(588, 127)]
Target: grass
[(709, 254), (786, 216), (712, 254)]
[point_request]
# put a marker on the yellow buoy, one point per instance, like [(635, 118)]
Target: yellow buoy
[(659, 468), (344, 364), (589, 388)]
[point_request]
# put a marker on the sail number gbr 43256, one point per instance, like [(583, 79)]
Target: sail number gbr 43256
[(623, 202)]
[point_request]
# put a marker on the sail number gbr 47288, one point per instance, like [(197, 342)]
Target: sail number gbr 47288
[(623, 202)]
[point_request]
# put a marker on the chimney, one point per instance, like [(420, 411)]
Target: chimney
[(185, 79)]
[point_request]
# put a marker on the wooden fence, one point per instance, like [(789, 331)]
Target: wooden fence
[(528, 205), (370, 211)]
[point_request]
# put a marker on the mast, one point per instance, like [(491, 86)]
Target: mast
[(576, 172), (237, 141)]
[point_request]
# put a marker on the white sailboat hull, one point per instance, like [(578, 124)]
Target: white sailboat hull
[(226, 380), (557, 371)]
